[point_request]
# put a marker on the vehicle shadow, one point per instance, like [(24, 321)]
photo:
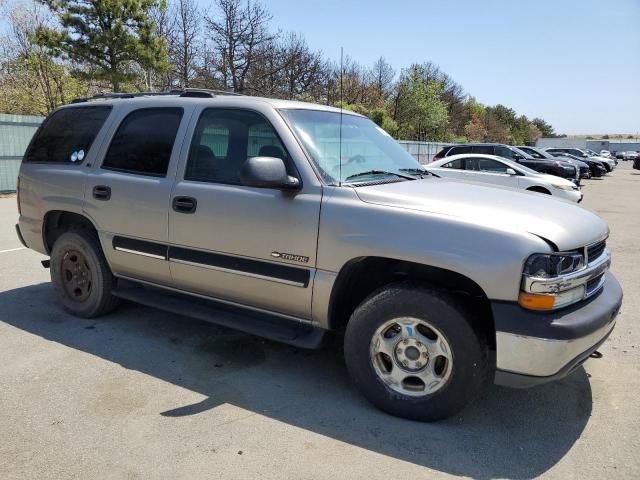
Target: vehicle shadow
[(506, 433)]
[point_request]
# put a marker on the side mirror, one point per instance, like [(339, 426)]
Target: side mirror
[(510, 171), (267, 172), (517, 156)]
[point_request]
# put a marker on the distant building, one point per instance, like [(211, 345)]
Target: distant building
[(613, 145)]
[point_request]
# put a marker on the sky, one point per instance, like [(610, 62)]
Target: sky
[(575, 63)]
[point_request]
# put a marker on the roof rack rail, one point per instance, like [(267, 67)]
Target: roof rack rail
[(182, 92), (201, 91)]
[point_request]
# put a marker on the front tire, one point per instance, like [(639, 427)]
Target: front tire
[(81, 275), (414, 353)]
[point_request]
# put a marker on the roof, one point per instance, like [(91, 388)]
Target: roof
[(239, 100)]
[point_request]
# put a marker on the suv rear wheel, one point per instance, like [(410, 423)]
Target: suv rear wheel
[(413, 353), (80, 274)]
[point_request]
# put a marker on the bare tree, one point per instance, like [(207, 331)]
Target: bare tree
[(238, 33), (183, 43), (383, 74)]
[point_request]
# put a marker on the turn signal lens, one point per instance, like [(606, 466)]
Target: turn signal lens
[(536, 302), (551, 302)]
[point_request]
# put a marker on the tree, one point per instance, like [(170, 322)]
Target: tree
[(110, 37), (475, 130), (419, 110), (383, 74), (31, 82), (182, 41), (238, 35), (545, 128)]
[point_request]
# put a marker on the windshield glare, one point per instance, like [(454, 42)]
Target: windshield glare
[(365, 146)]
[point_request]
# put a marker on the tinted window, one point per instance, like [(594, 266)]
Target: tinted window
[(223, 141), (489, 165), (504, 152), (144, 141), (532, 152), (67, 135), (455, 164), (458, 150), (484, 149)]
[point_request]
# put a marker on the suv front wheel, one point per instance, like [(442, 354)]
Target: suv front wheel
[(413, 352), (80, 274)]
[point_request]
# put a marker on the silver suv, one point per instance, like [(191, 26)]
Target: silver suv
[(289, 220)]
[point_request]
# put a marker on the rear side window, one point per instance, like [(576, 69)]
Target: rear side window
[(66, 136), (458, 150), (484, 149), (144, 141), (457, 164)]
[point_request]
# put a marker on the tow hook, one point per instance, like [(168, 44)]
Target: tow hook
[(596, 354), (45, 263)]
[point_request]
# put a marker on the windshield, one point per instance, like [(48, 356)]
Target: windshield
[(367, 151)]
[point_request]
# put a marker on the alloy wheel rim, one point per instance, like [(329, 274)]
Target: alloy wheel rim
[(411, 356), (76, 275)]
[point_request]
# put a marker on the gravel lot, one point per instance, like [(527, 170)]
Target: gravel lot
[(145, 394)]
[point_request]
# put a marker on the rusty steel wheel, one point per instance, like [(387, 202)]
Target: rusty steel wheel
[(81, 275), (76, 275)]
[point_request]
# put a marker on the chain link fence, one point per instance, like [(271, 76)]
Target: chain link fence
[(15, 133), (423, 152)]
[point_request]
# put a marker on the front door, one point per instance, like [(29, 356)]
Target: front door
[(252, 246)]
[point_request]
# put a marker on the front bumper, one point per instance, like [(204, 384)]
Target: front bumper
[(537, 347)]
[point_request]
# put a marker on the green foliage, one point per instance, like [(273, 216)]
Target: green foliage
[(110, 36), (33, 84), (420, 111), (546, 130)]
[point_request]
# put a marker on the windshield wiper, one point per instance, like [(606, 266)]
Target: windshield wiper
[(378, 172), (417, 171)]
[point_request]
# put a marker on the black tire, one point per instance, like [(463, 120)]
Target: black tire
[(470, 367), (539, 190), (99, 279)]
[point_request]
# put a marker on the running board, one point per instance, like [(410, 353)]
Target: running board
[(261, 324)]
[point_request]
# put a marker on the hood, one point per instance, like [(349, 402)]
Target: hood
[(564, 223)]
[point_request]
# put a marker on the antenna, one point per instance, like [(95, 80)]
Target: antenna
[(340, 144)]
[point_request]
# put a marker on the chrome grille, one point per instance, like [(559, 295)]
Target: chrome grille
[(594, 251)]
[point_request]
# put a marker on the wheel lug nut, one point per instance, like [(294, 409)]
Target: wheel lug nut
[(405, 341), (399, 351), (425, 354), (405, 363)]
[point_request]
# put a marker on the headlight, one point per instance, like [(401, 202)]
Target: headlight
[(563, 187), (550, 265), (550, 291)]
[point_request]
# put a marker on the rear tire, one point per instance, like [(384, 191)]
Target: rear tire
[(426, 325), (81, 276)]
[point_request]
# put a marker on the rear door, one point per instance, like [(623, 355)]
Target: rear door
[(127, 192)]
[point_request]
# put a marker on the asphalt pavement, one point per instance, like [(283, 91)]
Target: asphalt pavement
[(142, 393)]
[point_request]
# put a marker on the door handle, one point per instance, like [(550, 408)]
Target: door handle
[(184, 204), (102, 192)]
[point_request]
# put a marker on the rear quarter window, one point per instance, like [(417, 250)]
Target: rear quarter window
[(67, 135)]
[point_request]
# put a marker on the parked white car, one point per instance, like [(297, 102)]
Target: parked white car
[(605, 153), (629, 155), (502, 172)]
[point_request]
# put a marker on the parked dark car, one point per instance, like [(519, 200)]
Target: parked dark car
[(585, 171), (607, 163), (552, 167), (596, 167), (636, 163), (618, 155)]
